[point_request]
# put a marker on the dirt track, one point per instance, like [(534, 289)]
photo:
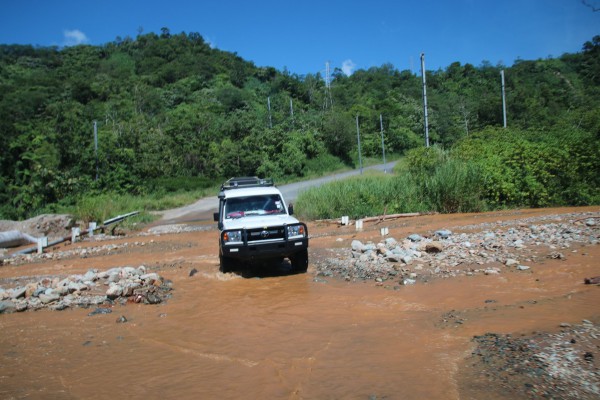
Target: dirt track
[(265, 333)]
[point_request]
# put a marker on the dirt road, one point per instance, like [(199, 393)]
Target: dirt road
[(326, 334), (202, 209)]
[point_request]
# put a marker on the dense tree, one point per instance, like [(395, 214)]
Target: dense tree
[(168, 105)]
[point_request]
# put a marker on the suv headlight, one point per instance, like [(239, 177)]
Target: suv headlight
[(232, 237), (296, 231)]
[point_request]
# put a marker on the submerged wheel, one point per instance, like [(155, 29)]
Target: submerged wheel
[(300, 261), (226, 264)]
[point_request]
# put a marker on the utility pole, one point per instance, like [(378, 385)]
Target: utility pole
[(425, 100), (269, 107), (382, 143), (328, 98), (503, 99), (96, 145), (359, 152)]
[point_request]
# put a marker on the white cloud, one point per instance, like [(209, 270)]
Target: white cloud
[(74, 37), (348, 67), (211, 42)]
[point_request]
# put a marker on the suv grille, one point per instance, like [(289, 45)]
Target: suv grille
[(270, 233)]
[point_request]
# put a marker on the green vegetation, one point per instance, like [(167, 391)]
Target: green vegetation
[(491, 169), (177, 116), (447, 185)]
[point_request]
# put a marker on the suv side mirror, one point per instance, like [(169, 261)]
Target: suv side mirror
[(291, 209), (216, 217)]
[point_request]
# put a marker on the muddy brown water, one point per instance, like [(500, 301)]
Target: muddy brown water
[(278, 336)]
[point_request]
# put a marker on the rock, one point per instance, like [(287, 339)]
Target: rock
[(393, 258), (99, 311), (590, 222), (592, 281), (415, 237), (19, 292), (30, 289), (357, 246), (434, 247), (153, 298), (407, 259), (49, 298), (61, 305), (130, 271), (510, 262), (491, 271), (77, 287), (556, 256), (113, 277), (391, 243), (90, 275), (150, 278), (121, 319), (193, 272), (62, 290), (369, 247), (522, 267), (408, 281), (7, 306), (489, 236), (443, 233), (114, 291)]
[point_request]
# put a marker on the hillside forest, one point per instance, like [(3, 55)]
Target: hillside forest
[(172, 113)]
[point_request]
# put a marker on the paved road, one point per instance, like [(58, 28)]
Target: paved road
[(290, 192), (203, 208)]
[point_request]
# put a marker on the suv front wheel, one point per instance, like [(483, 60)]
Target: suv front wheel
[(226, 264), (300, 261)]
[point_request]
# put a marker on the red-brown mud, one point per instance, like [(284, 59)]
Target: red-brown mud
[(281, 336)]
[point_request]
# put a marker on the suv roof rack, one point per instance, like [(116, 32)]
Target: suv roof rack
[(245, 182)]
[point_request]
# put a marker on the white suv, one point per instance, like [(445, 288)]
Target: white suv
[(255, 223)]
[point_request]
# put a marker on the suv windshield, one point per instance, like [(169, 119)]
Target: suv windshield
[(239, 207)]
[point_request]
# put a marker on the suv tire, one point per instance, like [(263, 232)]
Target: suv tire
[(300, 261), (226, 264)]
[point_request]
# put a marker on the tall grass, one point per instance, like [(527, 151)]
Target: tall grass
[(100, 207), (451, 186), (455, 186), (360, 196)]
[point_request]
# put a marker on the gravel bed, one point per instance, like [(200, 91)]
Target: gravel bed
[(487, 248), (560, 365)]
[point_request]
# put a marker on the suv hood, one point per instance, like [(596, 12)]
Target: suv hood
[(258, 221)]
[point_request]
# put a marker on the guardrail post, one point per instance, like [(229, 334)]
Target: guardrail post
[(74, 233), (41, 243), (91, 229), (359, 224)]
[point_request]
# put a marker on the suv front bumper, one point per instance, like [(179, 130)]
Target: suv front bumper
[(263, 250)]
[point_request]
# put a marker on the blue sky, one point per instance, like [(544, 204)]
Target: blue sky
[(303, 35)]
